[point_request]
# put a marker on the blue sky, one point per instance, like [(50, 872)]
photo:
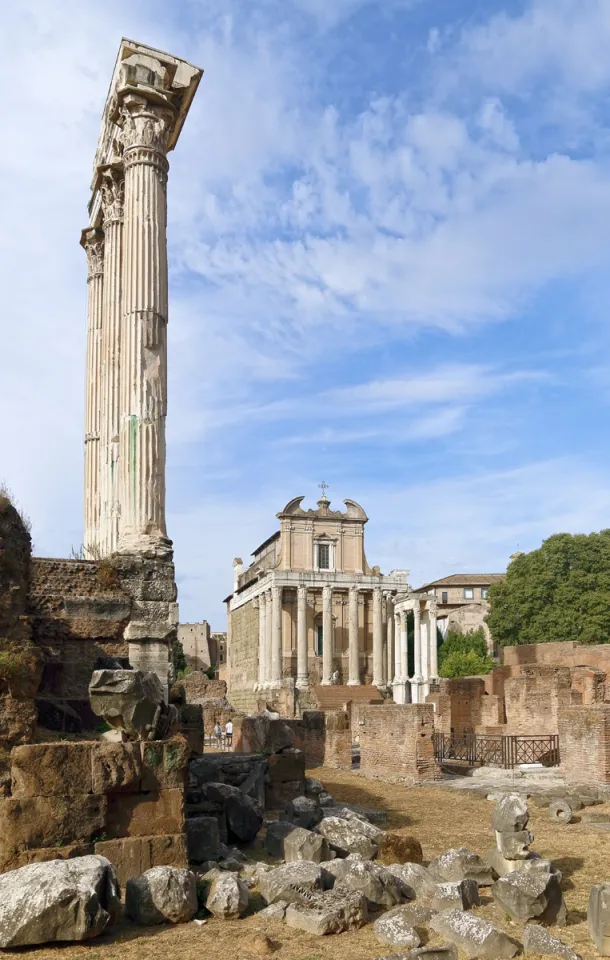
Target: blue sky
[(389, 245)]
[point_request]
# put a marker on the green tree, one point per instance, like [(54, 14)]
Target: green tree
[(178, 658), (559, 592), (464, 654)]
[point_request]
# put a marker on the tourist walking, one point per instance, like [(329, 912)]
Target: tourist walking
[(218, 733), (229, 732)]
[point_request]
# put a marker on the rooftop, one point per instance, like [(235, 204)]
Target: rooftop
[(464, 579)]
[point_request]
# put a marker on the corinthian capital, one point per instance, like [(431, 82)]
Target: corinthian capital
[(92, 240), (144, 124), (112, 188)]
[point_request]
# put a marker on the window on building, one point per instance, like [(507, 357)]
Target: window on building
[(468, 593), (319, 639), (323, 556), (444, 597), (484, 593)]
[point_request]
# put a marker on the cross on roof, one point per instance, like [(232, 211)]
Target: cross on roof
[(323, 487)]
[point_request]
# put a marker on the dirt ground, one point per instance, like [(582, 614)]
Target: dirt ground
[(440, 818)]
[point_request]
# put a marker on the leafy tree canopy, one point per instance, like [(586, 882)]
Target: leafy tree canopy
[(178, 657), (464, 654), (559, 592)]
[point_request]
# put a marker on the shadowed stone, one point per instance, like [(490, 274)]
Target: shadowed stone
[(416, 879), (395, 928), (379, 886), (128, 700), (457, 893), (228, 897), (538, 940), (290, 881), (161, 895), (349, 836), (330, 912), (475, 936), (461, 864), (526, 895)]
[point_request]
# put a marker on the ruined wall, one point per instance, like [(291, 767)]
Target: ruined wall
[(243, 653), (534, 697), (569, 654), (397, 741), (584, 743), (124, 801)]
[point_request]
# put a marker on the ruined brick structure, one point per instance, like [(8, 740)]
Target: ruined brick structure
[(397, 741)]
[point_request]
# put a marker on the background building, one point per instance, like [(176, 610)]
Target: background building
[(461, 601), (202, 648)]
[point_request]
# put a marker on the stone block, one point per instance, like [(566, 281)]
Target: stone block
[(510, 814), (291, 882), (164, 763), (475, 936), (598, 917), (275, 834), (330, 912), (203, 839), (538, 940), (395, 928), (228, 897), (528, 895), (51, 769), (48, 821), (117, 767), (461, 864), (18, 718), (288, 766), (161, 895), (145, 814), (261, 734), (301, 844), (456, 893), (133, 856), (44, 854), (190, 717), (277, 795), (142, 630), (514, 846)]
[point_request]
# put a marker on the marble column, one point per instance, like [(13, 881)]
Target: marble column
[(404, 648), (145, 126), (262, 639), (268, 637), (353, 637), (377, 639), (276, 636), (302, 665), (398, 618), (433, 643), (327, 635), (113, 192), (389, 640), (93, 242), (416, 679)]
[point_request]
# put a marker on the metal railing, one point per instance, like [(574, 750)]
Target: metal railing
[(497, 751)]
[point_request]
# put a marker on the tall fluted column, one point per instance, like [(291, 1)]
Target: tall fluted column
[(93, 242), (404, 648), (398, 618), (389, 640), (327, 635), (276, 635), (302, 666), (377, 639), (353, 651), (262, 639), (433, 643), (268, 636), (144, 131), (113, 191), (416, 679)]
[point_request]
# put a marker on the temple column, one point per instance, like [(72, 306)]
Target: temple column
[(92, 241), (416, 679), (302, 665), (145, 126), (112, 191), (276, 635), (433, 643), (353, 646), (268, 637), (398, 618), (377, 639), (262, 639), (389, 640), (327, 635)]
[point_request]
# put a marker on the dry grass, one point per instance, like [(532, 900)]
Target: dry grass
[(439, 818)]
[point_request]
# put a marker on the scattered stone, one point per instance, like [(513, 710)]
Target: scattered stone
[(161, 895), (501, 867), (303, 812), (591, 816), (58, 900), (275, 834), (416, 879), (301, 844), (461, 864), (526, 895), (510, 814), (598, 917), (231, 864), (325, 800), (275, 911), (290, 881), (560, 811), (244, 818), (202, 839), (348, 836), (418, 914), (538, 940), (395, 848), (313, 788), (456, 893), (379, 886), (228, 897), (330, 912), (267, 734), (395, 928), (514, 846), (128, 700), (430, 953), (475, 936)]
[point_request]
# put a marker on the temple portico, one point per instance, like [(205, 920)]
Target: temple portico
[(415, 688)]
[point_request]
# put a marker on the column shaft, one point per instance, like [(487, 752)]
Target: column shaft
[(417, 666), (262, 639), (404, 647), (353, 646), (276, 635), (113, 186), (327, 635), (302, 666), (93, 242), (268, 636), (398, 675), (433, 644), (143, 377), (389, 640), (377, 639)]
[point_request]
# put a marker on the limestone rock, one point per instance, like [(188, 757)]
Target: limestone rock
[(514, 846), (598, 917), (202, 839), (526, 895), (302, 844), (538, 940), (244, 818), (127, 699), (260, 944), (461, 864), (475, 936), (418, 914), (394, 927), (58, 900), (161, 895), (228, 897), (456, 893), (275, 834), (266, 735), (349, 836), (329, 912), (313, 788), (415, 878), (303, 812), (275, 911), (379, 886), (290, 881), (560, 811), (430, 953), (510, 814), (398, 848), (593, 816)]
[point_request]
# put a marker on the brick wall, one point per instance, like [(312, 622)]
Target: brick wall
[(338, 740), (569, 654), (398, 741), (534, 697), (584, 743)]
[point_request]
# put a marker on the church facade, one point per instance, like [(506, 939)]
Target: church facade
[(309, 610)]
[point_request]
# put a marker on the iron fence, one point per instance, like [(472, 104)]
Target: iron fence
[(497, 751)]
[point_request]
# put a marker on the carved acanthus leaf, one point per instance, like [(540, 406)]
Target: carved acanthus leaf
[(144, 124), (113, 195), (93, 242)]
